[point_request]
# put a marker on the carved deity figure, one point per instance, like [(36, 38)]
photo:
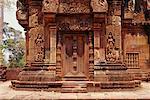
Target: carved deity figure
[(39, 46), (50, 5), (112, 54), (99, 5)]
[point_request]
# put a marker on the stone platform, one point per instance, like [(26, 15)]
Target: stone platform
[(74, 86), (8, 93), (106, 77)]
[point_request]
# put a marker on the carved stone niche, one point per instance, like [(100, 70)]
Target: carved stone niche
[(50, 6), (74, 23), (99, 5), (74, 6)]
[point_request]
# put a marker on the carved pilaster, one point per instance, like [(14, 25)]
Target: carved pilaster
[(58, 56), (36, 34), (52, 33), (114, 28), (91, 57)]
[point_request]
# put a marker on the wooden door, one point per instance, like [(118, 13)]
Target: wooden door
[(75, 55)]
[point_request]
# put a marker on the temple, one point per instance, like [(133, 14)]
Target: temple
[(84, 45)]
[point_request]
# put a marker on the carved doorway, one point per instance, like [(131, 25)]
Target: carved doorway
[(75, 56)]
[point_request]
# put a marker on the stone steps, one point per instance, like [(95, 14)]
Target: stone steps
[(74, 87)]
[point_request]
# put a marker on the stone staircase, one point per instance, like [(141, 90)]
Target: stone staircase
[(74, 77), (74, 87)]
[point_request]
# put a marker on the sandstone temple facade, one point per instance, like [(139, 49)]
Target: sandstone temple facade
[(84, 45)]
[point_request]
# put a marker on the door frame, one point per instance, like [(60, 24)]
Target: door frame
[(85, 54)]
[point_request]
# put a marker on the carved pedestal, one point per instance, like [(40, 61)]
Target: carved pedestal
[(114, 76)]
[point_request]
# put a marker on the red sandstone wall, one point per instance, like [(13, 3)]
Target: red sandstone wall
[(12, 73)]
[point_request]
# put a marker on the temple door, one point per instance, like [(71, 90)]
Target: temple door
[(75, 56)]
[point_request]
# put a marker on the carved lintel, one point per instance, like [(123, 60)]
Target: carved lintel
[(74, 23)]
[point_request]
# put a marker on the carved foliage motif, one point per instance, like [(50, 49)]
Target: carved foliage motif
[(99, 5), (74, 6), (75, 23), (50, 5)]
